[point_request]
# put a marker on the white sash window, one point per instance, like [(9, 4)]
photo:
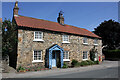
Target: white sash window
[(37, 56)]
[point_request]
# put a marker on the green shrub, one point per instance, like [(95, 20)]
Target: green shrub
[(39, 68), (35, 69), (65, 65), (112, 54), (90, 62), (20, 68), (29, 69), (114, 51), (74, 62), (83, 63), (96, 62), (77, 64)]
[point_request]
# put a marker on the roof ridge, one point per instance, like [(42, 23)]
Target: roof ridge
[(37, 18), (53, 22)]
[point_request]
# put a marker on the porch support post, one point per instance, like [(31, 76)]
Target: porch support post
[(61, 59), (50, 59)]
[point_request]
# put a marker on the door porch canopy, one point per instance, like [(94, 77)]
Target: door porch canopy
[(51, 49)]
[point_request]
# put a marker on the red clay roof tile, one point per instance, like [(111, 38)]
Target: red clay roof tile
[(53, 26)]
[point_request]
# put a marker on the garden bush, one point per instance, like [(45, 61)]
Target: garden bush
[(77, 64), (74, 62), (65, 65), (90, 62), (96, 62), (20, 68), (112, 54), (83, 63), (39, 67)]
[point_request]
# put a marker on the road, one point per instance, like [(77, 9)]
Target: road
[(102, 73), (107, 69)]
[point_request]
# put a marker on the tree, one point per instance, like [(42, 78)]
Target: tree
[(8, 38), (110, 33)]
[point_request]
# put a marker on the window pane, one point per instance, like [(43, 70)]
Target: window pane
[(84, 54), (37, 55), (84, 40), (38, 35), (95, 41), (65, 38), (66, 55)]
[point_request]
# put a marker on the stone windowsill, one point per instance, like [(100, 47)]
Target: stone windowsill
[(37, 61), (39, 40), (85, 59), (85, 43), (66, 59), (65, 42), (96, 44)]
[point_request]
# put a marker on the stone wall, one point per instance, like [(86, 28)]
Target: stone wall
[(26, 45)]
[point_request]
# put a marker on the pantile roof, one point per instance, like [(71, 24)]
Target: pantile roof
[(23, 21)]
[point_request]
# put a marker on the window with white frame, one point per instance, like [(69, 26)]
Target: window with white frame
[(65, 38), (66, 55), (85, 55), (37, 56), (95, 41), (85, 40), (38, 35)]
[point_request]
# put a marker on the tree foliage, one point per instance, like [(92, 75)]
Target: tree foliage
[(8, 38), (110, 33)]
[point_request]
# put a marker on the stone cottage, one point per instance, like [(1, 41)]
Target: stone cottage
[(50, 44)]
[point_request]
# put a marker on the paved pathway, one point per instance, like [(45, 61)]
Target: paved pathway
[(56, 72)]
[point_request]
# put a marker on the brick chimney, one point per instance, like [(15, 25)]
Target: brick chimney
[(15, 10), (60, 18)]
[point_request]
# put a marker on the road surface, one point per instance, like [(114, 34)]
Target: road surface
[(107, 69)]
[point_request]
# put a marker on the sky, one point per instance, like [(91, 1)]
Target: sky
[(86, 15)]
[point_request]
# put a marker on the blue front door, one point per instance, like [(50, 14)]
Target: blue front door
[(54, 59)]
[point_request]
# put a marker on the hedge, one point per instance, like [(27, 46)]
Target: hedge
[(113, 54), (75, 63)]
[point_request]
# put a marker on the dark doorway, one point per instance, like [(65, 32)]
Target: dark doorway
[(58, 61)]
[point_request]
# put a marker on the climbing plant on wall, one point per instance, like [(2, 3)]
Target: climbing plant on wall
[(93, 51)]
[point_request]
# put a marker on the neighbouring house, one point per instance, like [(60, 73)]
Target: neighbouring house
[(50, 44)]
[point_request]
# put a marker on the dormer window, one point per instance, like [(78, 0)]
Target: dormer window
[(38, 36), (85, 40), (65, 39)]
